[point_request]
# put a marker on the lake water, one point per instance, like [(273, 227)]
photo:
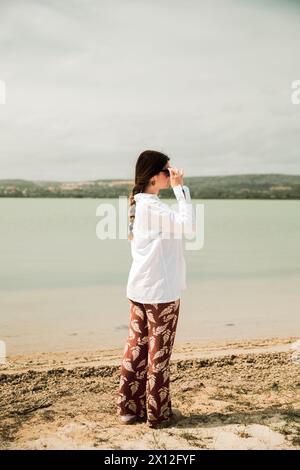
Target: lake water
[(61, 288)]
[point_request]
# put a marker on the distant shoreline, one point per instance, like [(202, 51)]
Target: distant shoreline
[(247, 186), (19, 363)]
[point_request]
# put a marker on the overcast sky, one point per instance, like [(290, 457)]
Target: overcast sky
[(92, 83)]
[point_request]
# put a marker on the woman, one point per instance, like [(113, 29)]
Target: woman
[(156, 278)]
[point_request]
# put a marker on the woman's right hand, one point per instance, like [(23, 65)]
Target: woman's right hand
[(176, 176)]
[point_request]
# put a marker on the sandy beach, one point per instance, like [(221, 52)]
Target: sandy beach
[(233, 395)]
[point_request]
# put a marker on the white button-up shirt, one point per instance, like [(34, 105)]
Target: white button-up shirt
[(158, 270)]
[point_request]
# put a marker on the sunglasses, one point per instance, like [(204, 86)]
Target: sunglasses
[(166, 172)]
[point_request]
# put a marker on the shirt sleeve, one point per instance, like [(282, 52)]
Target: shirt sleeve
[(179, 190), (160, 218)]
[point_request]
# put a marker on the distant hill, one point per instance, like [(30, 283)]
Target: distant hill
[(251, 186)]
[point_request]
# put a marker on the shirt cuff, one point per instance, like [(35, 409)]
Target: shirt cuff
[(187, 193), (179, 193)]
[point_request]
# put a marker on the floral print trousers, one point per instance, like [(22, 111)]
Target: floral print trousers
[(145, 374)]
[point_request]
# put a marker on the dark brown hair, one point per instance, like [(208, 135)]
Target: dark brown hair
[(149, 163)]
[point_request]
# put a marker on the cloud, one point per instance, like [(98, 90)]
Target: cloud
[(90, 87)]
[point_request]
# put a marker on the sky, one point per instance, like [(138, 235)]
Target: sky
[(92, 83)]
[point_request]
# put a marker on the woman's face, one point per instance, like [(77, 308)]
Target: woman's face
[(163, 180)]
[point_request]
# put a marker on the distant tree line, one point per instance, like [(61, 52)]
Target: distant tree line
[(251, 186)]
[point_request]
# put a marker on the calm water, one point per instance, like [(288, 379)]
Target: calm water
[(63, 288)]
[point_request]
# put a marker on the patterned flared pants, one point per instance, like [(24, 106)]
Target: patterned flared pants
[(145, 374)]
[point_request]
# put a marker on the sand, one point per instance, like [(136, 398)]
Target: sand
[(233, 395)]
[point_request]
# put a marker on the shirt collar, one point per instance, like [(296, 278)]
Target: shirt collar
[(139, 196)]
